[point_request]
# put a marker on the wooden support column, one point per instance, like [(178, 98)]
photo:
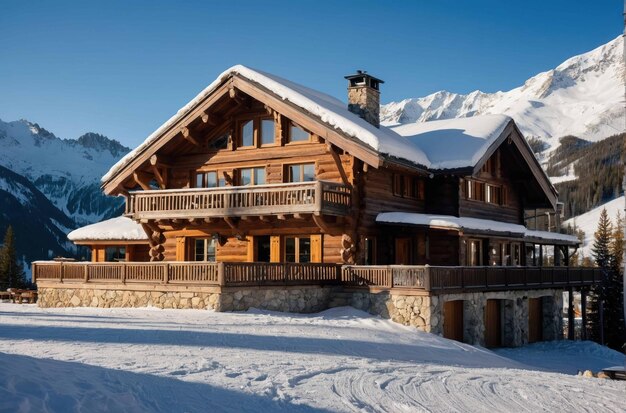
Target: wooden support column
[(570, 314), (583, 311), (160, 178), (344, 177), (187, 135), (143, 179)]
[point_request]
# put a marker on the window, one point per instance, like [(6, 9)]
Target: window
[(212, 179), (252, 176), (301, 172), (474, 252), (494, 194), (221, 142), (297, 134), (298, 249), (115, 253), (408, 186), (474, 190), (267, 132), (247, 133), (488, 166), (204, 249)]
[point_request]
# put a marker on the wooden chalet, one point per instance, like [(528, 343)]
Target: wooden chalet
[(261, 181)]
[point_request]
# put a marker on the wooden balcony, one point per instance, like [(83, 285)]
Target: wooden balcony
[(318, 197), (430, 280)]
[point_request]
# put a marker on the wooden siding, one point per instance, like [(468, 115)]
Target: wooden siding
[(453, 320), (493, 323)]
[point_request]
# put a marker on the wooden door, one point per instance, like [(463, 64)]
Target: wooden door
[(403, 251), (453, 320), (493, 323), (535, 320)]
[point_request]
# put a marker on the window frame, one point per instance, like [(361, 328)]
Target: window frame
[(297, 253), (118, 255), (253, 174), (291, 124), (301, 165), (205, 253), (218, 179), (257, 132)]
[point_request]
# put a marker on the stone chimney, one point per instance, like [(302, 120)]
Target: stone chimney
[(364, 96)]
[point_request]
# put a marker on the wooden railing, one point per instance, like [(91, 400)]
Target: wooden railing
[(188, 273), (435, 280), (319, 197)]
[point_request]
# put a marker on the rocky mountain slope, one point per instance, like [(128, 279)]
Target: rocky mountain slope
[(66, 171), (583, 97)]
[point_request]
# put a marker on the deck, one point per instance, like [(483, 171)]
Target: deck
[(317, 197), (426, 279)]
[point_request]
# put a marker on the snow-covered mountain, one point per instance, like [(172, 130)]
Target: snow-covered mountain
[(66, 171), (583, 96)]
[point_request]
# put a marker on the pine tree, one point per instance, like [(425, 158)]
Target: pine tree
[(11, 271), (614, 291), (602, 256)]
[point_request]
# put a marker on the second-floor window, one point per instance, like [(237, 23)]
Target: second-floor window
[(301, 172), (212, 179), (408, 186), (484, 192), (252, 176)]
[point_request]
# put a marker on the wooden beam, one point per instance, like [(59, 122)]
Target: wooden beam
[(298, 216), (160, 178), (234, 225), (281, 217), (143, 179), (209, 220), (337, 160), (321, 223), (194, 221), (187, 135), (208, 119)]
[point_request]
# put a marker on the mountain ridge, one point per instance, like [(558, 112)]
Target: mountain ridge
[(583, 96)]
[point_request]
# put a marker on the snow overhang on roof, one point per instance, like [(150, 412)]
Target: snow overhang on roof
[(473, 225), (329, 110), (455, 143), (114, 229)]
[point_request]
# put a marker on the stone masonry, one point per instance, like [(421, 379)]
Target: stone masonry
[(420, 311)]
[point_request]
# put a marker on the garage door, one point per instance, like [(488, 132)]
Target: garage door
[(453, 320), (493, 323), (535, 320)]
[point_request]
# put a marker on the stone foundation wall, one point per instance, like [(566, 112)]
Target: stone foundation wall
[(422, 312), (87, 297), (514, 315), (308, 299)]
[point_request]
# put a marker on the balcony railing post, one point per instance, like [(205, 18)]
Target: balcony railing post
[(166, 273), (426, 281), (220, 274), (33, 269), (62, 273), (86, 273), (123, 274), (319, 196)]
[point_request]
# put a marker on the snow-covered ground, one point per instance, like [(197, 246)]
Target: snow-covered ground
[(588, 221), (342, 359)]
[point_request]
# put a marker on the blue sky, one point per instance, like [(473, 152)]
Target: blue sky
[(122, 68)]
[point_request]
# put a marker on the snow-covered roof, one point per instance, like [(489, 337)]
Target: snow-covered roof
[(454, 143), (114, 229), (330, 110), (465, 223)]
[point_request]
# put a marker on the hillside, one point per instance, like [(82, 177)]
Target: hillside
[(582, 97), (588, 222), (40, 227)]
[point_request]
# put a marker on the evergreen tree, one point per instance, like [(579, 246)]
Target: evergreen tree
[(11, 271), (614, 291), (602, 256)]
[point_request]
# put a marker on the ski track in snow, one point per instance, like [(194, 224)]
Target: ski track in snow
[(338, 360)]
